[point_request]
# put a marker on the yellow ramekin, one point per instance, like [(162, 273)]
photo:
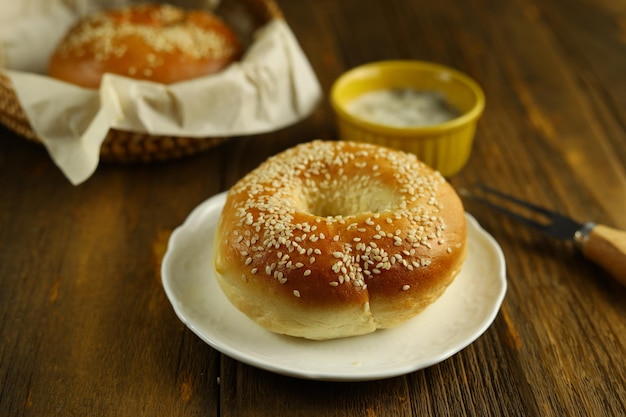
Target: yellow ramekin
[(445, 147)]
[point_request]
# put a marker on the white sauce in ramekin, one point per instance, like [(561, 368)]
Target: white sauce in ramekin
[(403, 108)]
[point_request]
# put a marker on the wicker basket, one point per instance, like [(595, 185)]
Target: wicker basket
[(130, 147)]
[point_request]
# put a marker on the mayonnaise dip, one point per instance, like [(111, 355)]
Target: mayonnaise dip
[(404, 107)]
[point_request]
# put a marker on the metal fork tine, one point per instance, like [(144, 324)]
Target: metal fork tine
[(556, 224), (522, 203), (516, 216), (487, 190)]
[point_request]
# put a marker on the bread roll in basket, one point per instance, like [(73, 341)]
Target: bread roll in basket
[(120, 145)]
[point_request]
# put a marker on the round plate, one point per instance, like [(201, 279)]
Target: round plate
[(456, 319)]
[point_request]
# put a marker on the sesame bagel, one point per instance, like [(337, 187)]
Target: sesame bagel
[(155, 42), (333, 239)]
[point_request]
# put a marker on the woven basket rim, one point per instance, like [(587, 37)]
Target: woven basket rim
[(125, 146)]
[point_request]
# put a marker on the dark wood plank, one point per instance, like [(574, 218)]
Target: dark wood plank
[(86, 329)]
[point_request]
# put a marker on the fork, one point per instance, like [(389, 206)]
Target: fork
[(603, 245)]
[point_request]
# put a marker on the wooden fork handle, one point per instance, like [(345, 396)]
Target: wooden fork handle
[(606, 247)]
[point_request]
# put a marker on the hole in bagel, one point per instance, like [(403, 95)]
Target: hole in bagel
[(347, 197)]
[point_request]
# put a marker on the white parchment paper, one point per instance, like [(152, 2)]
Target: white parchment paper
[(272, 86)]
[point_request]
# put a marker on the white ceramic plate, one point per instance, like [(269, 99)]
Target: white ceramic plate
[(460, 316)]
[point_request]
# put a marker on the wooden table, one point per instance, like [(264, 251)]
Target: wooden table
[(86, 328)]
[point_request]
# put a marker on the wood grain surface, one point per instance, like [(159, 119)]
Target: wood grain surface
[(86, 328)]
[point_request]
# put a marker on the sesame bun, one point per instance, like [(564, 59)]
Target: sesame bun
[(155, 42), (333, 239)]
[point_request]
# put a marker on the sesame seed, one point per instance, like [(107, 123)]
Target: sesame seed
[(166, 31), (269, 222)]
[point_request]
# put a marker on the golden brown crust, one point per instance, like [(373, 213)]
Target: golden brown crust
[(155, 42), (332, 239)]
